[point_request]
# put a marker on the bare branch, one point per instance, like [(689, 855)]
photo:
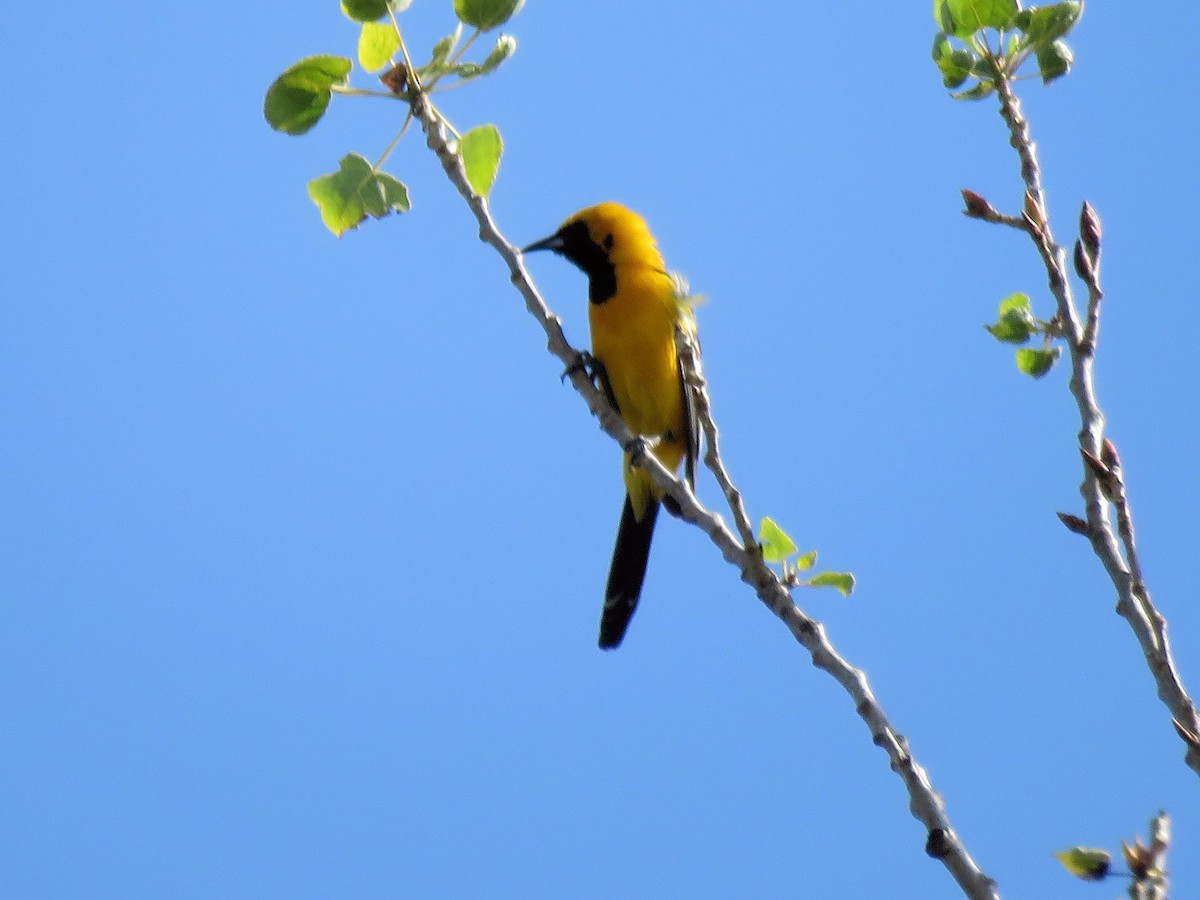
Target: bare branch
[(689, 358)]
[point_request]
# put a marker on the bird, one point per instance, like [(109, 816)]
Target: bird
[(634, 310)]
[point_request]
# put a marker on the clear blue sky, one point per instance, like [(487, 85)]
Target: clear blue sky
[(304, 542)]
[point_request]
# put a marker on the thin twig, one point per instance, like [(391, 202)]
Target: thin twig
[(689, 359), (924, 801), (1124, 569)]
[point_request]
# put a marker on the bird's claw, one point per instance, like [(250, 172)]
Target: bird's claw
[(584, 362)]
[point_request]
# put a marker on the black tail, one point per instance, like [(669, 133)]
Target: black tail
[(628, 571)]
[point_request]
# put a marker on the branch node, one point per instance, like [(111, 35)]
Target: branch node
[(1033, 213), (939, 843)]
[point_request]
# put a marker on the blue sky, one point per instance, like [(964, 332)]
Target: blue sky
[(304, 542)]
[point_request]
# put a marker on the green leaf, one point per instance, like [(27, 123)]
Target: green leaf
[(1088, 863), (807, 561), (486, 14), (1054, 61), (1046, 24), (377, 42), (1016, 324), (506, 46), (1015, 301), (776, 545), (968, 16), (480, 149), (298, 98), (466, 71), (355, 191), (842, 581), (442, 50), (1036, 363), (1013, 328), (955, 65), (983, 69), (941, 15), (372, 10), (981, 90)]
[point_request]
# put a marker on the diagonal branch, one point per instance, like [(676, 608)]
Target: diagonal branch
[(1102, 481), (924, 801)]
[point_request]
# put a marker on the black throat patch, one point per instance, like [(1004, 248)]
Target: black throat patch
[(592, 259)]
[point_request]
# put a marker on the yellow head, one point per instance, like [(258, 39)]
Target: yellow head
[(600, 240)]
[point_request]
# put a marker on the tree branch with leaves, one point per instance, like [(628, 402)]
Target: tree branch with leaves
[(359, 189), (984, 44), (987, 42)]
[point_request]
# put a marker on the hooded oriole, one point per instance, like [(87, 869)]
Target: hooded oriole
[(634, 309)]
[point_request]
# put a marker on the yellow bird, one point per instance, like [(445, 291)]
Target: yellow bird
[(634, 309)]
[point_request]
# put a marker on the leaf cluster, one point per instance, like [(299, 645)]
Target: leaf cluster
[(778, 548), (985, 41), (1016, 324), (301, 95)]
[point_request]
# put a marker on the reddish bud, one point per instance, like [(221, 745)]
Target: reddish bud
[(1074, 523), (977, 207), (1089, 230), (1084, 264)]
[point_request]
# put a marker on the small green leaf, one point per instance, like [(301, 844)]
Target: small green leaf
[(1088, 863), (442, 50), (377, 42), (480, 150), (981, 90), (506, 46), (1013, 328), (942, 15), (372, 10), (842, 581), (486, 14), (776, 545), (355, 191), (969, 16), (807, 561), (466, 71), (1036, 363), (1054, 61), (955, 65), (983, 69), (1046, 24), (1015, 301), (1016, 324), (298, 98)]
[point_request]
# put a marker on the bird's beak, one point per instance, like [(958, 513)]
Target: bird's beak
[(554, 242)]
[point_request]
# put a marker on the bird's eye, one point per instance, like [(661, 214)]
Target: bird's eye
[(608, 242)]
